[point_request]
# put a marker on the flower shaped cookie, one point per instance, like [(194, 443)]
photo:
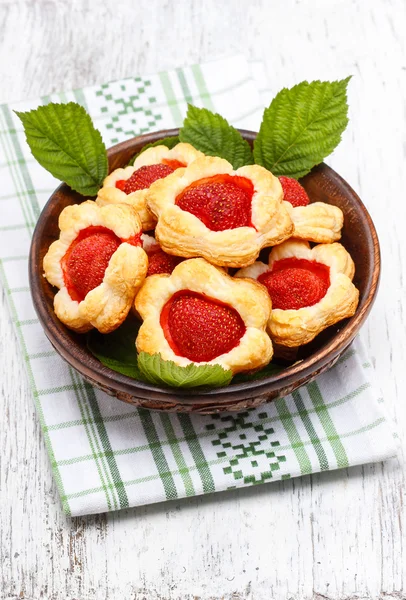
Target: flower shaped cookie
[(225, 216), (310, 289), (130, 185), (199, 314), (317, 222), (158, 261), (97, 264)]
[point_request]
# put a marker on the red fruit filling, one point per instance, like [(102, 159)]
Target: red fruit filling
[(87, 258), (293, 192), (144, 177), (220, 202), (200, 328), (161, 262), (174, 164), (295, 283)]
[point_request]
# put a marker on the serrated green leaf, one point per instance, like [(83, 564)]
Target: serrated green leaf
[(212, 134), (128, 370), (170, 142), (301, 127), (117, 350), (159, 371), (63, 139), (270, 369)]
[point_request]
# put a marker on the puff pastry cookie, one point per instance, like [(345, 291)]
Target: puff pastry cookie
[(130, 185), (317, 222), (158, 261), (199, 314), (97, 264), (225, 216), (310, 289)]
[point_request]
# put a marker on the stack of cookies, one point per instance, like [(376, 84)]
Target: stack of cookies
[(177, 236)]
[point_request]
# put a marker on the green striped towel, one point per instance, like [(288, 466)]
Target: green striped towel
[(107, 455)]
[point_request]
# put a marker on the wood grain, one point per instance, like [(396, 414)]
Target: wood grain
[(332, 536)]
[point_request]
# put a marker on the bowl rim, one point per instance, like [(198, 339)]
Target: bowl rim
[(86, 364)]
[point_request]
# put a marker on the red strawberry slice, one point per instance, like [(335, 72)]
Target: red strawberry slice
[(220, 202), (295, 283), (200, 328), (121, 183), (87, 259), (161, 262), (293, 192), (143, 178)]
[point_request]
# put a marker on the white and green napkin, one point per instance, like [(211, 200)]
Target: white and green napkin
[(106, 454)]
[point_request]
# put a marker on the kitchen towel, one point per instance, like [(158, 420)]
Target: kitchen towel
[(108, 455)]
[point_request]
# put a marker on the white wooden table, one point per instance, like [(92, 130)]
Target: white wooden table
[(332, 536)]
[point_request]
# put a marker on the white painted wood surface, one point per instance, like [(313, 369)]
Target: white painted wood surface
[(338, 535)]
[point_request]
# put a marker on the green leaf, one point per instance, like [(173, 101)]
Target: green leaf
[(159, 372), (301, 127), (270, 369), (117, 350), (210, 133), (64, 141), (169, 142), (128, 370)]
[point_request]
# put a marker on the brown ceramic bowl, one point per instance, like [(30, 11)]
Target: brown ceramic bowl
[(359, 237)]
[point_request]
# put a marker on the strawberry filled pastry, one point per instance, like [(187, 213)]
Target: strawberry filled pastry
[(97, 263), (310, 289), (201, 315), (158, 261), (131, 184), (176, 237), (222, 215), (317, 222)]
